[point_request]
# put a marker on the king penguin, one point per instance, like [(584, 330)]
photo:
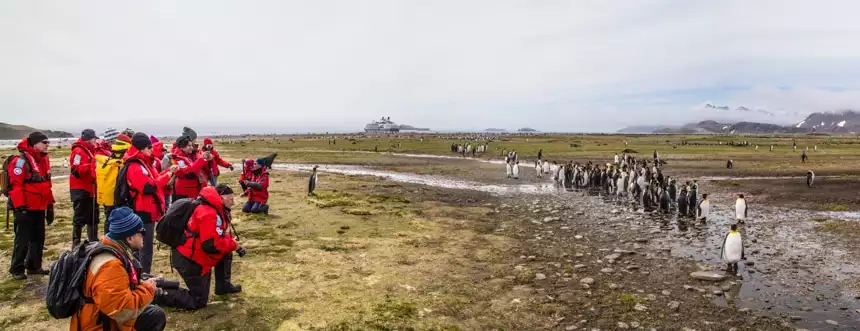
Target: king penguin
[(810, 177), (517, 169), (664, 201), (733, 249), (683, 202), (509, 169), (704, 208), (312, 183), (740, 209)]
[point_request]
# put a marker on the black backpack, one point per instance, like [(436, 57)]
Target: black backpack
[(171, 230), (64, 297), (5, 180)]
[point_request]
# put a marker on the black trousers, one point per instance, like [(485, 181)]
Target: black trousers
[(197, 294), (151, 318), (85, 214), (144, 254), (107, 218), (29, 241)]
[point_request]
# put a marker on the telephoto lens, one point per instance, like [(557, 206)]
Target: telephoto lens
[(168, 284), (241, 251)]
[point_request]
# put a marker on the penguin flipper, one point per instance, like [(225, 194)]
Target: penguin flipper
[(723, 247)]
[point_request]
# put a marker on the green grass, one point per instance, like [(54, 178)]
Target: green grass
[(631, 299), (836, 207), (819, 219)]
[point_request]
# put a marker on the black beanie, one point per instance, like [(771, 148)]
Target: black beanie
[(188, 132), (183, 141), (141, 141), (88, 134), (35, 138), (223, 189)]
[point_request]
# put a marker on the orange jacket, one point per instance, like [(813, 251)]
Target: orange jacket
[(109, 285)]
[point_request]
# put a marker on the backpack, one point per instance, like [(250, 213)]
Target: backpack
[(122, 195), (5, 180), (64, 297), (107, 169), (172, 227)]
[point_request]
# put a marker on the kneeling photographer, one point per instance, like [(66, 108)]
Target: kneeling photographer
[(206, 243)]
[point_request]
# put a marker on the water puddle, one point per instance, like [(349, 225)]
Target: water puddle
[(844, 215)]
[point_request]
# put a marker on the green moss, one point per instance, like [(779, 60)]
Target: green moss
[(819, 219), (836, 207)]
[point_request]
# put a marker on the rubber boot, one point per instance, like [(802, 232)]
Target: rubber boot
[(77, 230)]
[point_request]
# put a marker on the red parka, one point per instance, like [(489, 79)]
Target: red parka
[(30, 178), (261, 193), (189, 177), (83, 175), (211, 167), (208, 239), (145, 184)]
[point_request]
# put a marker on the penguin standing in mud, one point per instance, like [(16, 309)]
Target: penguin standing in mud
[(740, 209), (517, 170), (509, 170), (704, 209), (733, 250), (683, 202), (546, 167), (672, 189), (312, 182), (692, 200), (664, 201), (810, 177), (538, 169), (730, 164)]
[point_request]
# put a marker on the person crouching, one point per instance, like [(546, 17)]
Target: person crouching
[(118, 295), (209, 245), (257, 184)]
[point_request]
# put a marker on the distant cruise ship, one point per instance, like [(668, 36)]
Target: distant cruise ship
[(382, 125)]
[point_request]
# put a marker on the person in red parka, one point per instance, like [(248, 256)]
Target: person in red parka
[(32, 200), (211, 169), (209, 244), (145, 185), (189, 178), (256, 183), (82, 187)]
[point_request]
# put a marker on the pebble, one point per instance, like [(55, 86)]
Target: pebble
[(674, 305), (587, 280), (571, 328), (667, 293), (540, 276), (743, 310), (612, 257), (750, 263), (579, 266), (717, 293), (634, 325), (796, 318), (577, 237), (613, 286), (831, 322), (707, 275), (623, 326), (606, 270), (632, 267), (640, 307)]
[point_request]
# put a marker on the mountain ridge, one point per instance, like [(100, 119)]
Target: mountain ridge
[(16, 131)]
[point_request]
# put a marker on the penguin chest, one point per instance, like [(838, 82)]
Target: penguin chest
[(733, 248), (740, 209)]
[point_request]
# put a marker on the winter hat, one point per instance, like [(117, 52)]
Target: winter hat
[(223, 189), (249, 164), (88, 134), (35, 138), (207, 141), (261, 161), (188, 132), (140, 141), (110, 135), (123, 138), (183, 141), (153, 139), (123, 223)]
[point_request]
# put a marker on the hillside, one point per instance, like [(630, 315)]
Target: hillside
[(10, 131), (831, 122)]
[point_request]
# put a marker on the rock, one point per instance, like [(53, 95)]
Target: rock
[(708, 276), (673, 305), (831, 322), (667, 293), (615, 211), (717, 292), (607, 270), (644, 240), (540, 276), (806, 309), (551, 219), (750, 263), (577, 237), (688, 288), (571, 328), (621, 251), (623, 326), (632, 267), (743, 310), (587, 281), (613, 286), (796, 318), (579, 266), (640, 307), (726, 288), (652, 297), (634, 325), (612, 257)]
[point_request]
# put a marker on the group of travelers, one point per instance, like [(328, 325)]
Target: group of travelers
[(137, 183)]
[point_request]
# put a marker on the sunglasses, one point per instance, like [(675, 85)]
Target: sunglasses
[(46, 142), (142, 231)]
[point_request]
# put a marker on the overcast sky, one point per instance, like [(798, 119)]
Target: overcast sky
[(314, 65)]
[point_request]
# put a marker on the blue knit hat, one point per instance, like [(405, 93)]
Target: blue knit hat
[(261, 161), (123, 223)]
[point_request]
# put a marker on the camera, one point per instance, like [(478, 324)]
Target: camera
[(208, 148), (161, 282), (241, 252)]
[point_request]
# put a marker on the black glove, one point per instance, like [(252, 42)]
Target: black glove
[(231, 167), (49, 214), (255, 186)]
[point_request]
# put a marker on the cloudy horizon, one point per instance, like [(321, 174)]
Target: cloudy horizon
[(589, 66)]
